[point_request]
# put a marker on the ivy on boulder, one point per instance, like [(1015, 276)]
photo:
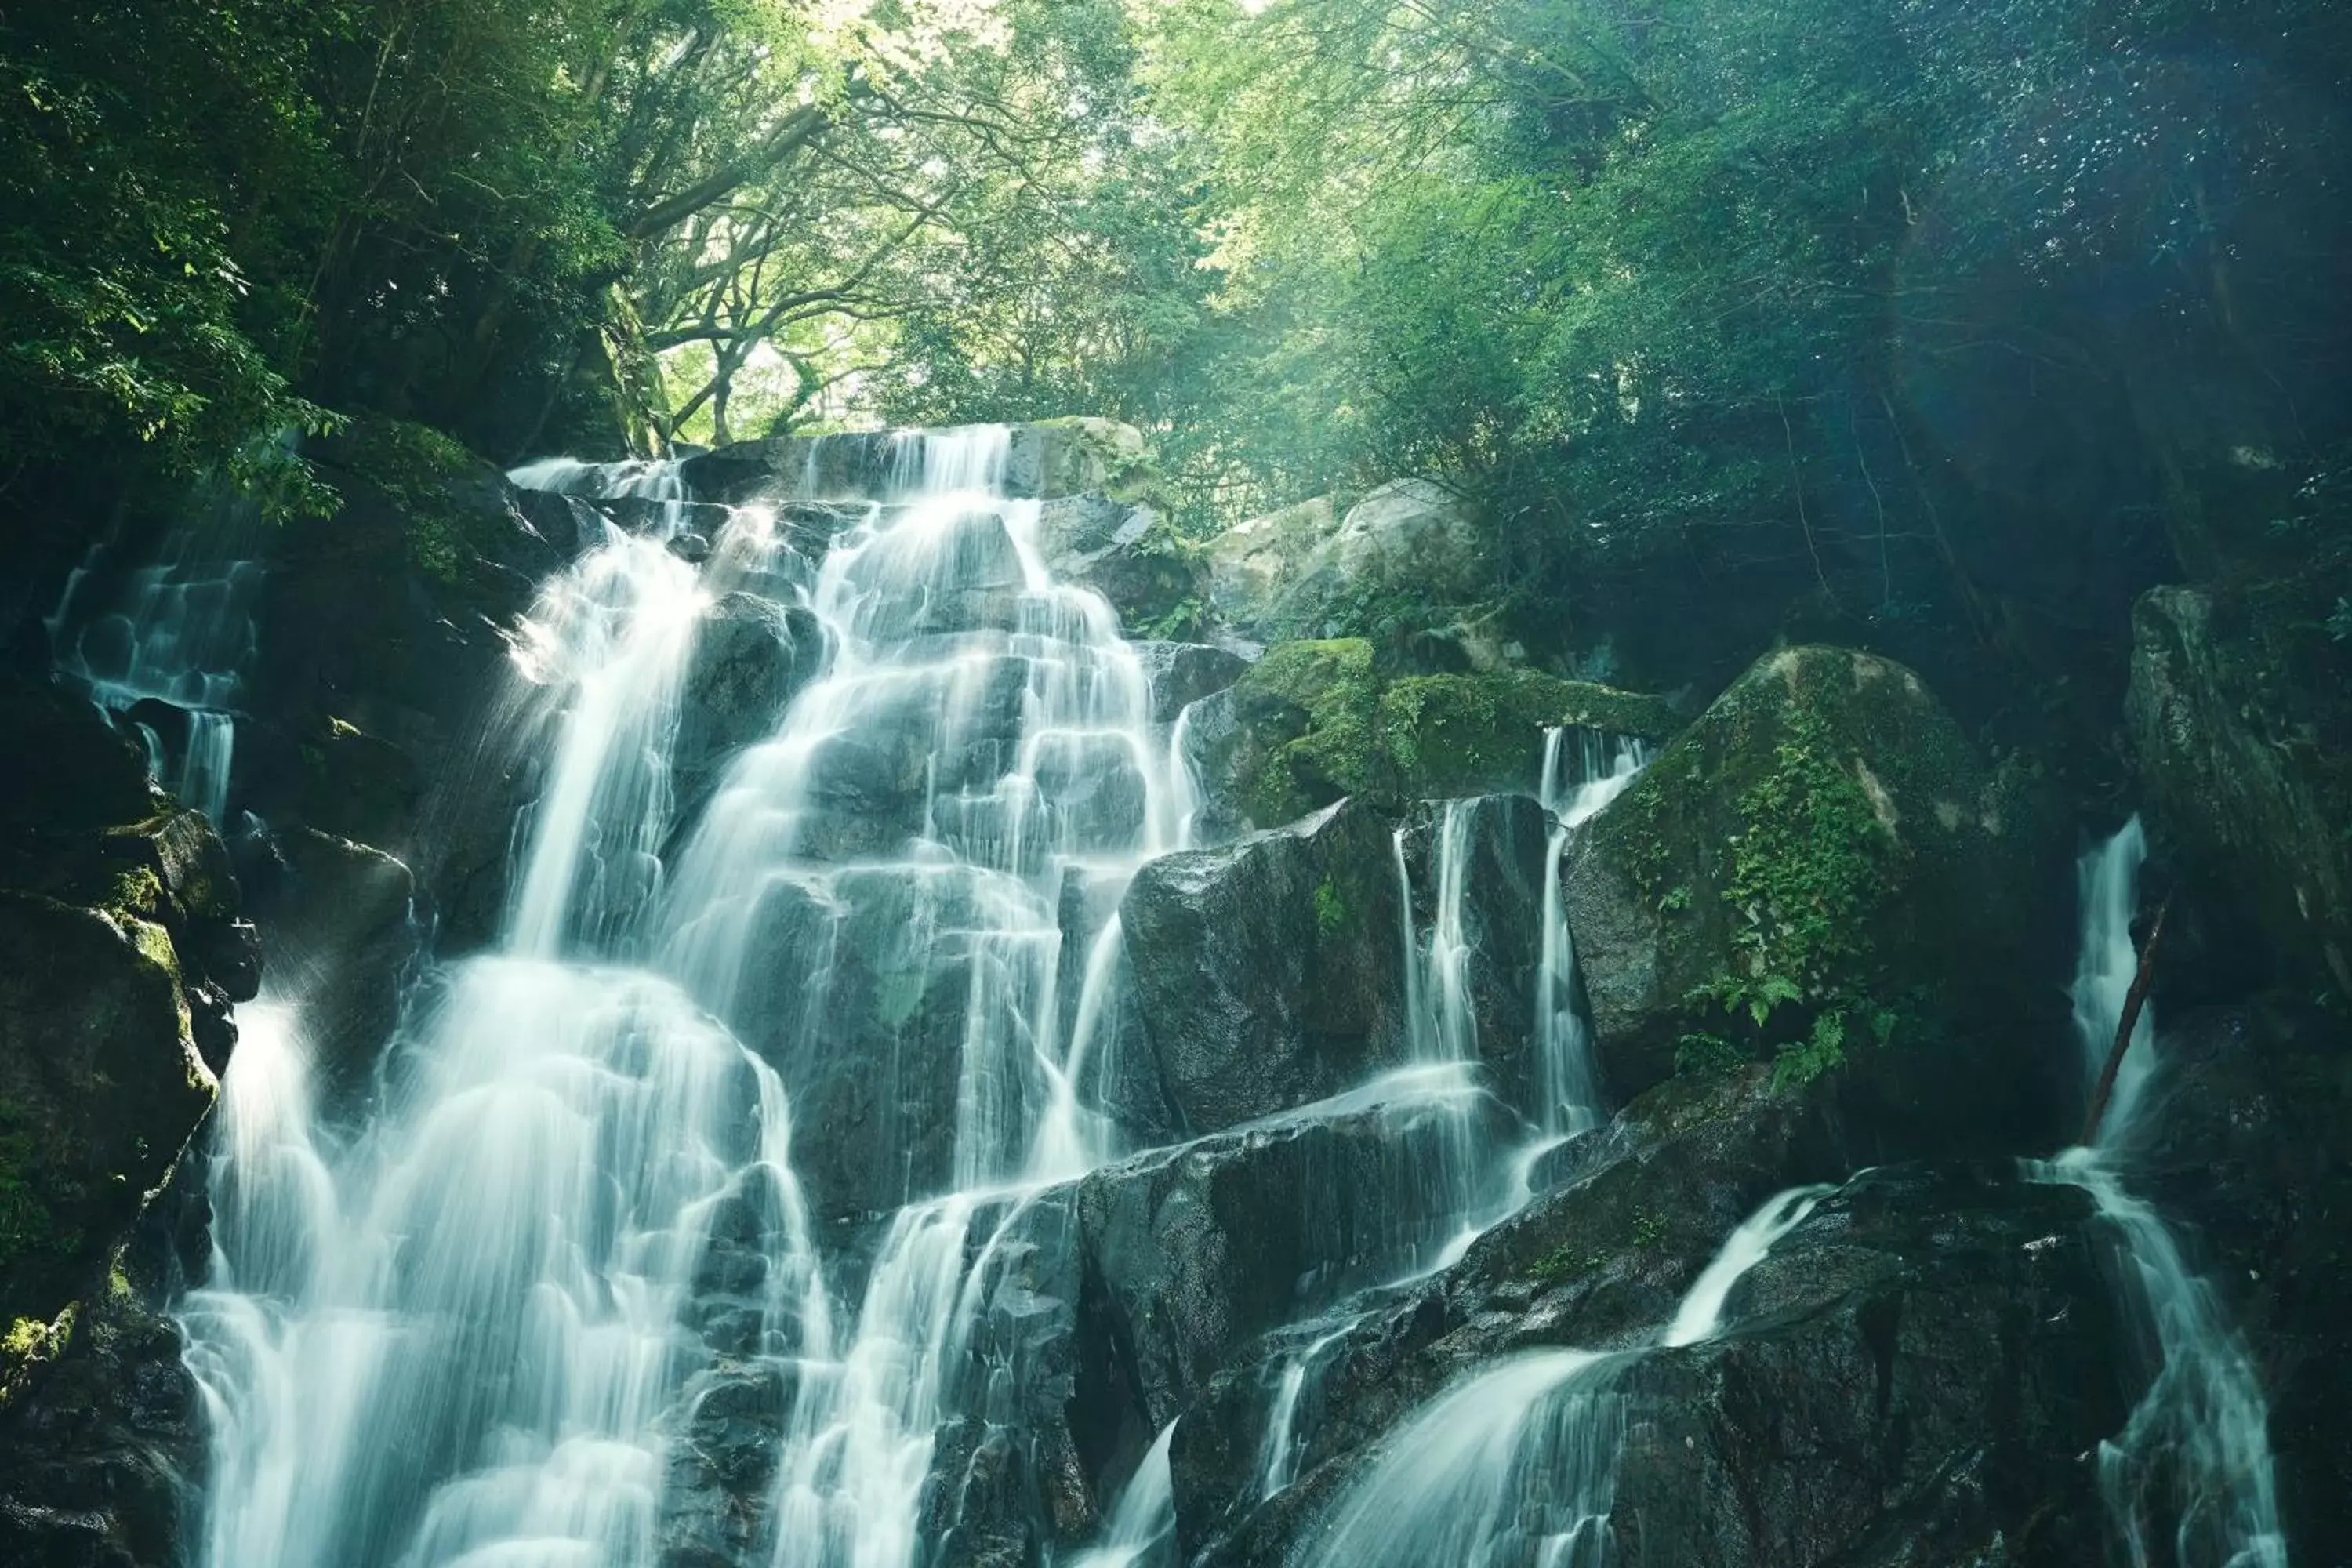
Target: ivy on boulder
[(1821, 873)]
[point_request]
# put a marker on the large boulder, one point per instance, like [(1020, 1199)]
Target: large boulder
[(1301, 570), (1128, 554), (1823, 872), (751, 656), (101, 1084), (1267, 972), (1911, 1375), (2237, 715)]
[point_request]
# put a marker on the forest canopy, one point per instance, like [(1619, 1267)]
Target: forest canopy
[(1849, 296)]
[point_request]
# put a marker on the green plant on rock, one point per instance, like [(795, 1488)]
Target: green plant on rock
[(1700, 1054), (1809, 867), (1332, 915), (1562, 1263)]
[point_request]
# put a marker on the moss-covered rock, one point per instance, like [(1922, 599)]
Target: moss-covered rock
[(1458, 734), (1823, 872), (2238, 716), (101, 1086), (1314, 720)]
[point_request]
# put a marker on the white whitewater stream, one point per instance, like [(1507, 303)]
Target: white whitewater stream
[(175, 637), (1518, 1463), (2195, 1457)]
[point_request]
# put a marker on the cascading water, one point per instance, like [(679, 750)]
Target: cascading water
[(1144, 1521), (1579, 776), (996, 729), (1518, 1463), (172, 641), (469, 1332), (456, 1337), (2195, 1457)]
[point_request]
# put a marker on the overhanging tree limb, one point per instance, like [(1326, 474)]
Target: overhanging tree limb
[(796, 131)]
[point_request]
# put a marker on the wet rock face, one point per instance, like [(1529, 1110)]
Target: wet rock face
[(122, 951), (340, 917), (1928, 1361), (1504, 839), (858, 1000), (1267, 972), (751, 657), (2244, 785), (1820, 864), (1192, 1253), (1125, 553), (2247, 1148), (1184, 673)]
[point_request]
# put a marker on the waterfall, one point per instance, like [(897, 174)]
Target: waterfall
[(168, 647), (2195, 1457), (1279, 1464), (999, 725), (1518, 1463), (1604, 767), (477, 1328), (1145, 1517), (459, 1334)]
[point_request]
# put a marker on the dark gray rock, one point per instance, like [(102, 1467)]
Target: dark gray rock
[(1182, 673), (751, 657), (1194, 1252), (340, 916), (2240, 745), (721, 1468), (1919, 1373), (1267, 972), (1125, 553)]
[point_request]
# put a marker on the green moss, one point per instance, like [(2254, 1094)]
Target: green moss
[(1445, 731), (1309, 707), (1562, 1263), (1332, 917), (1324, 724), (1812, 861)]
